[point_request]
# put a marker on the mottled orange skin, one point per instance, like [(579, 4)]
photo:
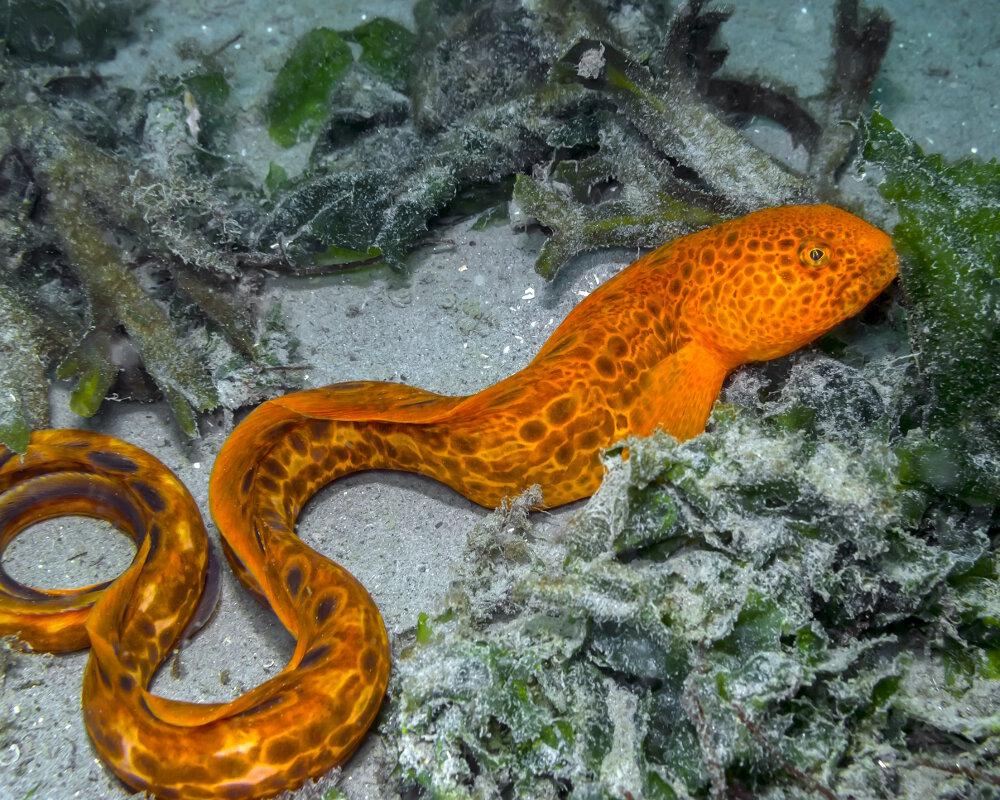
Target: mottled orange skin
[(647, 350)]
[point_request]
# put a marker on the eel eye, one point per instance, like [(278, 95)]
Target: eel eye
[(814, 255)]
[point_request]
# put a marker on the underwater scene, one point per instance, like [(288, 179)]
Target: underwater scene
[(729, 531)]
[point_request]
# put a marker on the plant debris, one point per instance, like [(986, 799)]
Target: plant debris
[(127, 265), (614, 126)]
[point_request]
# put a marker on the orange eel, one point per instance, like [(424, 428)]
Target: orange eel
[(647, 350)]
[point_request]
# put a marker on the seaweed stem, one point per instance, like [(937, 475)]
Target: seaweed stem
[(811, 783), (691, 704), (676, 120), (958, 769)]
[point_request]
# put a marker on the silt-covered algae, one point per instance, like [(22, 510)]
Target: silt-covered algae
[(949, 226), (614, 121)]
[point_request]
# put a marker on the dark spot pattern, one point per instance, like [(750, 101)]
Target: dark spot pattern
[(114, 462), (315, 655), (293, 580), (264, 705), (324, 608), (150, 496)]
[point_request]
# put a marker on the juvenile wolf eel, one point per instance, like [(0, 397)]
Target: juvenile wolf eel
[(649, 349)]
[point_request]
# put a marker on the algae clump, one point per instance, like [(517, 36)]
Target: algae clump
[(387, 49), (86, 296), (302, 87), (613, 123), (947, 234)]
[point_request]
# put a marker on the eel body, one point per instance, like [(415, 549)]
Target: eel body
[(648, 350)]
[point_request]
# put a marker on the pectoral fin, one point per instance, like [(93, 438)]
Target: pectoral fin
[(678, 393)]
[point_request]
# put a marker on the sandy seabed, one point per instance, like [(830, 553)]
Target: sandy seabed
[(469, 311)]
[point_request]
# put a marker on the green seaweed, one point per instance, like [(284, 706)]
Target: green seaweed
[(208, 87), (384, 192), (116, 294), (948, 228), (667, 110), (387, 49), (93, 372), (298, 102), (277, 178), (577, 228), (210, 91)]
